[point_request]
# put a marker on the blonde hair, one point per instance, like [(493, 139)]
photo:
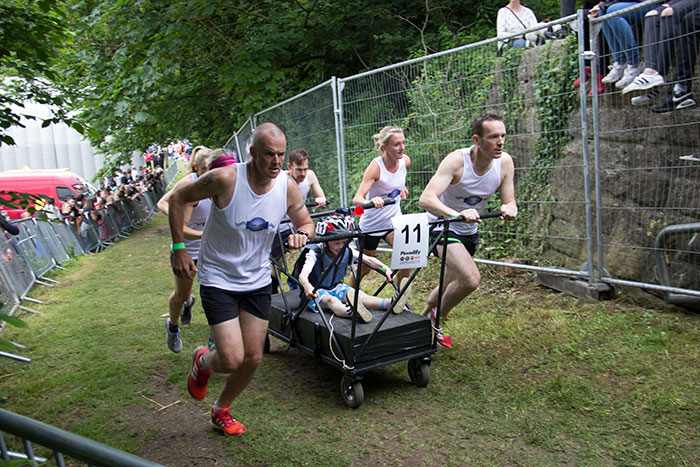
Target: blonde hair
[(198, 155), (215, 154), (383, 136)]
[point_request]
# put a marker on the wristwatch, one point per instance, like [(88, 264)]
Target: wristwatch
[(303, 232)]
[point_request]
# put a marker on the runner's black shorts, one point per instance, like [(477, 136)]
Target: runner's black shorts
[(372, 242), (223, 305), (469, 241)]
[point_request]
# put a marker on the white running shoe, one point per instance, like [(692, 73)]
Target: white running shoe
[(643, 82), (646, 99), (616, 72), (631, 72)]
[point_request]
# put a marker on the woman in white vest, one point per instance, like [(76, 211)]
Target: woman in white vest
[(384, 179), (181, 300)]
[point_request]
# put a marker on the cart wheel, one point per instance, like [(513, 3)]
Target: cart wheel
[(419, 372), (352, 392), (266, 344)]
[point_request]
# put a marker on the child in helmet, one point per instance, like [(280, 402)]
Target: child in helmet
[(331, 293)]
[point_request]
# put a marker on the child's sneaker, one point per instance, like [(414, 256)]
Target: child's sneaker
[(400, 304), (443, 339), (221, 420), (362, 310), (199, 377)]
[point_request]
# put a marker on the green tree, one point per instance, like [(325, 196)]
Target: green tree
[(152, 70), (32, 32)]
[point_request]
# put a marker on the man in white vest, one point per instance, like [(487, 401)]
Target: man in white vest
[(249, 201), (462, 186)]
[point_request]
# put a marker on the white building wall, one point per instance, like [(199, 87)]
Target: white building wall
[(53, 147)]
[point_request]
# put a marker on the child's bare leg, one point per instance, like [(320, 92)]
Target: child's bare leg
[(329, 302), (374, 303)]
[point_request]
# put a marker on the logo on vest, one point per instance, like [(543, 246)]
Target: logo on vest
[(256, 224), (472, 200), (393, 193)]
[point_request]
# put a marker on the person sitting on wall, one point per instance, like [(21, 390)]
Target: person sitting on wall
[(513, 18)]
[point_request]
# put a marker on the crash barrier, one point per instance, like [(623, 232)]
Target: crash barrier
[(43, 245), (59, 443), (597, 177)]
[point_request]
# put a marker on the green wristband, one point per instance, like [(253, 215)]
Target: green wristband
[(384, 268), (178, 246), (453, 216)]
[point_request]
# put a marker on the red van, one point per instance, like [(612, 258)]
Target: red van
[(59, 184)]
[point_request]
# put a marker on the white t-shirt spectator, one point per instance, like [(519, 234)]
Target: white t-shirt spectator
[(510, 21)]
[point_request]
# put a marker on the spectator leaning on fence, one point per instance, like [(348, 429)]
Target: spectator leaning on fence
[(513, 18), (8, 226), (620, 38), (671, 29), (462, 186)]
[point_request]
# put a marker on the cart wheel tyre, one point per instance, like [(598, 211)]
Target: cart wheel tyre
[(266, 345), (352, 392), (419, 372)]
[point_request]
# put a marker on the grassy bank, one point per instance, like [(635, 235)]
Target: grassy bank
[(535, 377)]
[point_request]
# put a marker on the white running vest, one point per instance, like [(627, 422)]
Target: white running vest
[(472, 191), (304, 188), (389, 185), (197, 220), (235, 252)]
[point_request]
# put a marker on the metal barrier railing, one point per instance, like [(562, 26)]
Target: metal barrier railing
[(43, 245), (62, 443)]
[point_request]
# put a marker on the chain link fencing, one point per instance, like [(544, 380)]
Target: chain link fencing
[(597, 178), (647, 156)]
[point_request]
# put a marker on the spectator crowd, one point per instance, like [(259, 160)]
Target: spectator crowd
[(643, 42)]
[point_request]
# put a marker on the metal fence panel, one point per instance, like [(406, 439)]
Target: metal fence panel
[(59, 253), (8, 297), (68, 238), (15, 264), (648, 165), (89, 235), (34, 247), (244, 138), (308, 122), (435, 99)]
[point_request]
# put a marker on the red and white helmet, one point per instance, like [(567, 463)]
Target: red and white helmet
[(335, 224)]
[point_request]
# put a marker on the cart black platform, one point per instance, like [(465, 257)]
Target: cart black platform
[(350, 345)]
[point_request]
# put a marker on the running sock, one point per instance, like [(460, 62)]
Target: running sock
[(216, 405), (201, 362), (385, 303), (174, 328)]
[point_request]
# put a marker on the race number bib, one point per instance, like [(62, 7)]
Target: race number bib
[(410, 241)]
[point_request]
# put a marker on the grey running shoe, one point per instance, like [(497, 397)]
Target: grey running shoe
[(186, 313), (210, 344), (400, 304), (362, 310), (174, 341)]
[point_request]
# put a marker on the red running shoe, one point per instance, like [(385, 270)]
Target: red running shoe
[(198, 377), (221, 420), (443, 339)]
